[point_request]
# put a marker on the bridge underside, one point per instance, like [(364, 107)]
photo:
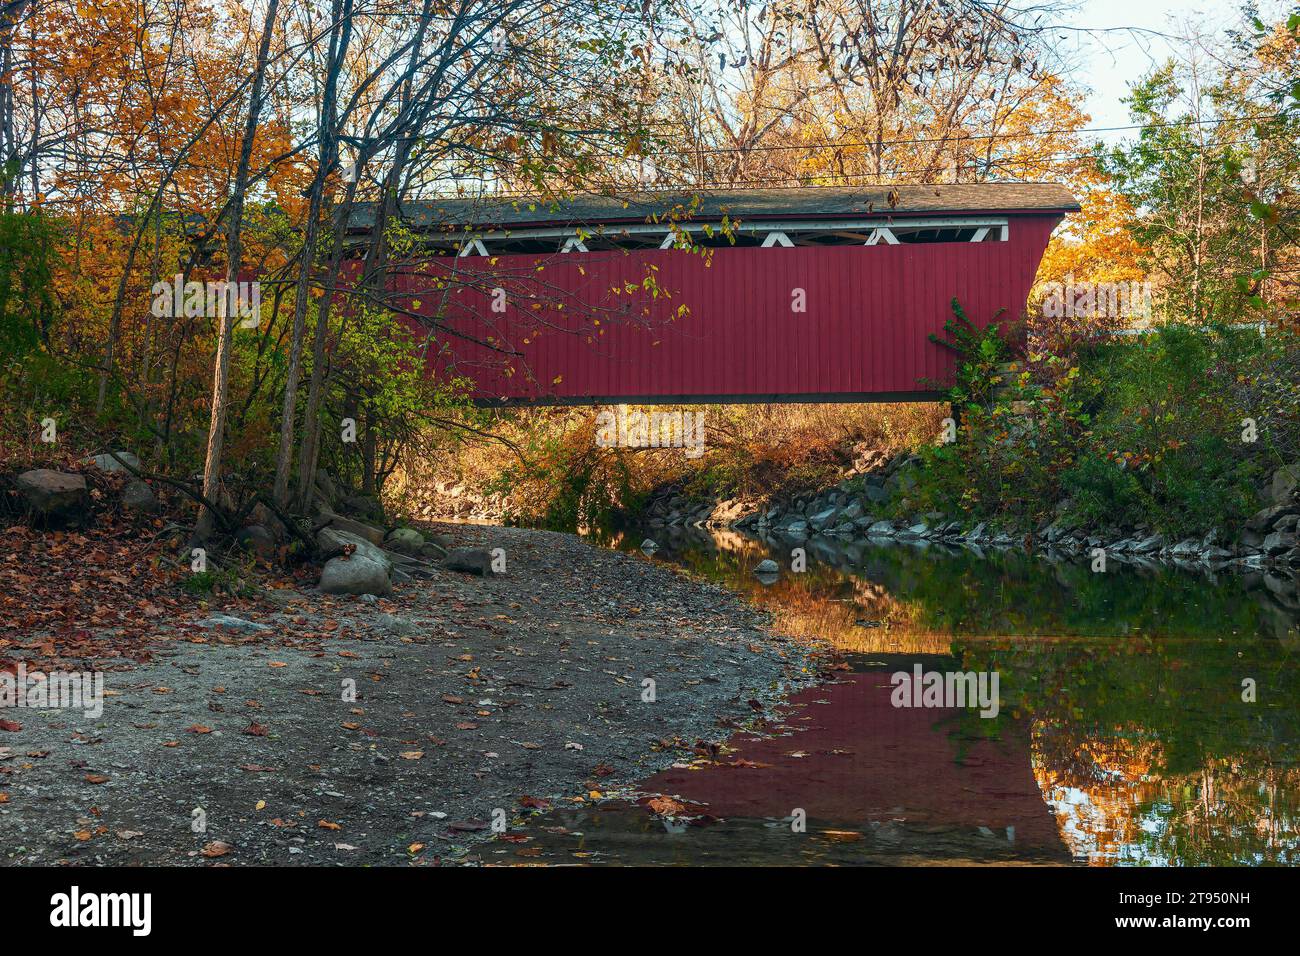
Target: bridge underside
[(843, 398)]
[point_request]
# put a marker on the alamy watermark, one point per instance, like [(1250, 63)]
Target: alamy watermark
[(178, 298), (1088, 300), (946, 689), (621, 428), (57, 690)]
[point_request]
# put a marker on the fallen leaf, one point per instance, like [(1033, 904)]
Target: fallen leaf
[(412, 755), (96, 778), (326, 825), (468, 826), (216, 848), (254, 729), (665, 806)]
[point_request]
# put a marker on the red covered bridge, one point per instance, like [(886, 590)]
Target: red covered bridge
[(788, 294)]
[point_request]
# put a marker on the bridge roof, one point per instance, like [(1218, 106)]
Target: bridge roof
[(798, 202)]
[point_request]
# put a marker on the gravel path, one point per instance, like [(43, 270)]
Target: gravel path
[(476, 699)]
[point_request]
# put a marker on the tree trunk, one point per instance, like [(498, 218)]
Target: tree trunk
[(226, 311), (340, 39)]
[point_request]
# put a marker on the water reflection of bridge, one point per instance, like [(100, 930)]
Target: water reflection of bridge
[(907, 780)]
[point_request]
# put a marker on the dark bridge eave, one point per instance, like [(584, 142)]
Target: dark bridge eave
[(844, 398)]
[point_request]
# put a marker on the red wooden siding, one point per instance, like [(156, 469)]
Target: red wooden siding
[(863, 336)]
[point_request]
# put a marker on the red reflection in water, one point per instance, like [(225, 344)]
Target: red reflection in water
[(865, 760)]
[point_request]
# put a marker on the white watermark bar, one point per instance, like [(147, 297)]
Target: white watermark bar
[(57, 690), (210, 299), (624, 428), (949, 689)]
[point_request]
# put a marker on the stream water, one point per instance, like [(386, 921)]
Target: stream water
[(1147, 716)]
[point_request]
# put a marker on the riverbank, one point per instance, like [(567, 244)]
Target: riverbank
[(477, 700), (873, 504)]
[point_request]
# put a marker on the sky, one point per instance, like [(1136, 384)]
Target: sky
[(1112, 60)]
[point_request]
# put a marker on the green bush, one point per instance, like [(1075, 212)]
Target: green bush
[(1145, 432), (1103, 492)]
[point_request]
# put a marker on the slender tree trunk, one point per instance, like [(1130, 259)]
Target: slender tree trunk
[(341, 34), (309, 451), (284, 455), (340, 39), (226, 316)]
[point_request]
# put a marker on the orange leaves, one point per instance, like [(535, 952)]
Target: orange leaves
[(665, 806)]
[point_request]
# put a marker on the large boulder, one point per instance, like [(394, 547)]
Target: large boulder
[(138, 498), (333, 539), (1265, 518), (404, 541), (256, 539), (55, 497), (470, 561), (358, 528), (1285, 482), (355, 574), (821, 519), (108, 463)]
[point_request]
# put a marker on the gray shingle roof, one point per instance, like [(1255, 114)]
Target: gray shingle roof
[(746, 204)]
